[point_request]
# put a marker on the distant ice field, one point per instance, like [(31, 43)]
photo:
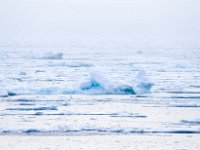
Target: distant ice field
[(99, 88)]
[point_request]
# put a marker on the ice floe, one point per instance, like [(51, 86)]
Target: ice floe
[(69, 64), (191, 122), (46, 55), (142, 83), (97, 83), (108, 86), (3, 92)]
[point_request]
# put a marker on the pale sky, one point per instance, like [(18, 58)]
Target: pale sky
[(157, 19)]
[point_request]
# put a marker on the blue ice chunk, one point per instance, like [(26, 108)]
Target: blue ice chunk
[(142, 83), (10, 93), (106, 86), (39, 113), (32, 131)]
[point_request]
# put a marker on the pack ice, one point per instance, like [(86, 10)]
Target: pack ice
[(96, 84), (46, 55), (3, 92), (100, 84)]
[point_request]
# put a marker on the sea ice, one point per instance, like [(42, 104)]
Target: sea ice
[(3, 92), (96, 84), (142, 83), (107, 86), (51, 55), (99, 83), (47, 55), (69, 64)]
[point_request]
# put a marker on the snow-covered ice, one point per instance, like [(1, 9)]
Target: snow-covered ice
[(99, 91), (98, 82), (46, 55), (103, 85), (3, 92), (142, 83)]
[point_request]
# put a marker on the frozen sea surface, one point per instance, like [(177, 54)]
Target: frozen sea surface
[(50, 90)]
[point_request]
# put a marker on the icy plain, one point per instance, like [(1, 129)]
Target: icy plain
[(46, 95)]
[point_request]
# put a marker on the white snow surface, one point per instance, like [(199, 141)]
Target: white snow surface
[(46, 55), (106, 88), (3, 92)]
